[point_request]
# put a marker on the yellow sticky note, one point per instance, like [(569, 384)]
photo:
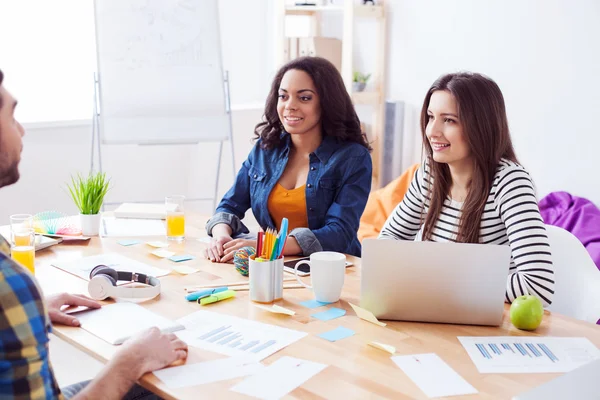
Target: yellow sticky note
[(366, 315), (157, 244), (384, 347), (184, 269), (162, 253), (276, 309)]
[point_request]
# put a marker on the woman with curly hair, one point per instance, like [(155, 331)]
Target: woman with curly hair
[(310, 164)]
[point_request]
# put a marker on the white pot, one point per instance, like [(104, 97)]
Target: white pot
[(90, 224)]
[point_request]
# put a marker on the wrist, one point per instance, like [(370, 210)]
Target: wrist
[(221, 230), (128, 365)]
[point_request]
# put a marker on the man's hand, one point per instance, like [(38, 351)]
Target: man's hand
[(56, 302), (234, 245), (215, 251), (149, 351)]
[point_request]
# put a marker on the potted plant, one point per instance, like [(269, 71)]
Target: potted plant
[(88, 195), (359, 81)]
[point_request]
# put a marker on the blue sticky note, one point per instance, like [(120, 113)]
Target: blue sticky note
[(313, 304), (332, 313), (337, 334), (128, 242), (183, 257)]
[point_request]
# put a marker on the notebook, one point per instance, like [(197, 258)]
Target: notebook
[(42, 242), (115, 323), (144, 211)]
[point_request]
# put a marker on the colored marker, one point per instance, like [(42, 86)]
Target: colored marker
[(204, 293)]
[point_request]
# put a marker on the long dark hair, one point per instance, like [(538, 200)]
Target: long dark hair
[(482, 114), (338, 117)]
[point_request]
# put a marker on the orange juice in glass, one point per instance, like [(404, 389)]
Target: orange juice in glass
[(23, 250), (21, 239), (20, 225), (175, 218)]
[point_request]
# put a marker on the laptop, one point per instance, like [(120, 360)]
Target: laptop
[(455, 283), (580, 384)]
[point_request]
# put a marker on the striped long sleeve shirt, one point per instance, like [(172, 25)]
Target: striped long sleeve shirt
[(511, 217)]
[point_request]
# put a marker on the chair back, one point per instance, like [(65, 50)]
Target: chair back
[(576, 277)]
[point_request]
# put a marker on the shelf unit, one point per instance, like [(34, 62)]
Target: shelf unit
[(350, 11)]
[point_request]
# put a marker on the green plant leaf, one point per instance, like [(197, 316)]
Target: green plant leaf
[(88, 193)]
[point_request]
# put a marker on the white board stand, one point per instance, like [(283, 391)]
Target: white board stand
[(160, 78)]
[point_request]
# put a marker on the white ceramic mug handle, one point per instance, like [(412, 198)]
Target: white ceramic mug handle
[(296, 273)]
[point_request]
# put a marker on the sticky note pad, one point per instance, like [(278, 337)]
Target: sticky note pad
[(332, 313), (337, 334), (276, 309), (157, 244), (184, 269), (313, 304), (366, 315), (163, 253), (180, 258), (128, 242), (384, 347)]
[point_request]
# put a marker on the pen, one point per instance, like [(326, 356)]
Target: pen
[(213, 298), (204, 293)]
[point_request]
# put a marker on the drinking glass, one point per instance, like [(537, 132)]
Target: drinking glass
[(175, 218)]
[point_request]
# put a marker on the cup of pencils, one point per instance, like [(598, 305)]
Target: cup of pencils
[(266, 266)]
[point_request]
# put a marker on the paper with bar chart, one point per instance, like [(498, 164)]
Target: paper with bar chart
[(533, 354), (235, 336)]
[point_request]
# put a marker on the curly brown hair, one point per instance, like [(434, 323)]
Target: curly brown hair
[(338, 116)]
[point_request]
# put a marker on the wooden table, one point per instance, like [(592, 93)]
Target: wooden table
[(356, 371)]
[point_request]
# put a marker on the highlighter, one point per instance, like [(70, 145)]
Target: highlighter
[(204, 293), (213, 298)]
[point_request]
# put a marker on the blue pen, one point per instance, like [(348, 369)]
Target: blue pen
[(204, 293)]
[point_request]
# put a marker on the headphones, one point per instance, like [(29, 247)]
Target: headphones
[(103, 284)]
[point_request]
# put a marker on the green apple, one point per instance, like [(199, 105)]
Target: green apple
[(526, 312)]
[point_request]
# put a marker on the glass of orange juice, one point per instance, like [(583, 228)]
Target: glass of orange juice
[(20, 225), (175, 218), (23, 249)]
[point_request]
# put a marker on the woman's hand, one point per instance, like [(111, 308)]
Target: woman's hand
[(234, 245), (215, 249)]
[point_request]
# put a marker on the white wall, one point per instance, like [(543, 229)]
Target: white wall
[(543, 54), (51, 155), (545, 57)]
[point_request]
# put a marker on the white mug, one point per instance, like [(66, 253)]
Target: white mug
[(327, 269)]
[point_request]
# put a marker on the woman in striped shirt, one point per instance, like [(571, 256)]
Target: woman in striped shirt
[(471, 188)]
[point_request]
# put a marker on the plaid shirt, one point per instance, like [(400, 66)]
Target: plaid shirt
[(25, 370)]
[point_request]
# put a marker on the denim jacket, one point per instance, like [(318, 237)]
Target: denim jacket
[(337, 188)]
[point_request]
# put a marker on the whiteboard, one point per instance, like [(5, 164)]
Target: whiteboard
[(160, 74)]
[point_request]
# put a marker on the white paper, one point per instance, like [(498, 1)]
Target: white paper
[(279, 378), (117, 322), (433, 376), (207, 372), (112, 226), (528, 354), (84, 266), (235, 336)]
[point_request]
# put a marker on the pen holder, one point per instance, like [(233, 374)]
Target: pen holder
[(266, 280)]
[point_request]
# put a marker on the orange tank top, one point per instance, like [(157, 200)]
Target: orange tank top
[(290, 204)]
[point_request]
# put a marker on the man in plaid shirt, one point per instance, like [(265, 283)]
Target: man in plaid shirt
[(25, 316)]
